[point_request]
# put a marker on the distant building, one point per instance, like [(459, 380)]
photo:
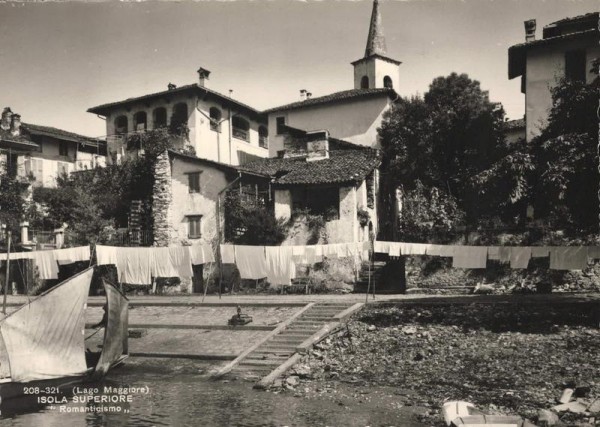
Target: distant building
[(514, 130), (221, 129), (44, 153), (566, 50)]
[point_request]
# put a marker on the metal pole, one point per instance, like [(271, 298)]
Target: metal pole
[(7, 272)]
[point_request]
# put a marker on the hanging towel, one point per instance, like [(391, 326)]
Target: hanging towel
[(593, 252), (434, 250), (17, 255), (311, 255), (494, 253), (395, 249), (228, 254), (341, 250), (281, 268), (134, 265), (201, 253), (447, 250), (569, 258), (181, 261), (46, 264), (520, 256), (540, 251), (251, 261), (106, 255), (469, 257), (381, 247), (413, 248), (160, 264), (71, 255)]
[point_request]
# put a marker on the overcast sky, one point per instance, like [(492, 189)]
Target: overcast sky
[(59, 59)]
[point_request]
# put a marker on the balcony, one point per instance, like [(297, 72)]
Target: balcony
[(263, 141)]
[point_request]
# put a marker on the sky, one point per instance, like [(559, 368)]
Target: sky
[(59, 59)]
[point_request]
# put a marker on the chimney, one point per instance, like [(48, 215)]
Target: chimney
[(530, 30), (171, 86), (203, 76), (6, 117), (302, 94), (15, 124), (308, 95)]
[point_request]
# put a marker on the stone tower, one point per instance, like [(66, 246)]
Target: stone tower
[(376, 70)]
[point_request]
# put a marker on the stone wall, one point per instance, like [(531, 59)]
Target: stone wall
[(161, 201)]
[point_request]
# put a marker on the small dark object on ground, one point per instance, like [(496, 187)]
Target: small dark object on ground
[(137, 333), (239, 318)]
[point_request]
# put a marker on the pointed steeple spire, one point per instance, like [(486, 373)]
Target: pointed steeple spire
[(376, 40)]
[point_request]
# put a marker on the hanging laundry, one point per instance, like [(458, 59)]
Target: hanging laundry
[(494, 253), (381, 247), (414, 248), (179, 256), (251, 261), (298, 251), (469, 257), (569, 258), (520, 256), (311, 255), (281, 268), (201, 254), (228, 254), (341, 250), (394, 249), (71, 255), (17, 255), (160, 263), (540, 251), (46, 264), (134, 265), (106, 255), (593, 252)]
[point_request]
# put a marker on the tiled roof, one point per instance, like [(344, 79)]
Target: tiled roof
[(59, 134), (342, 166), (193, 88), (217, 165), (16, 141), (514, 124), (517, 53), (336, 97)]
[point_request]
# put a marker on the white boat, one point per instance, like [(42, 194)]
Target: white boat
[(43, 341)]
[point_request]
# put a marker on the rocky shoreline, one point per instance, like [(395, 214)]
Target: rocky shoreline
[(504, 358)]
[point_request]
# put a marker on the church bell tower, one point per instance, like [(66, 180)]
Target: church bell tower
[(376, 70)]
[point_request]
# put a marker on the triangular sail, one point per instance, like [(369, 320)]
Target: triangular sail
[(115, 332), (45, 338)]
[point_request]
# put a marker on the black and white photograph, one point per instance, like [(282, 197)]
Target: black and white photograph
[(277, 213)]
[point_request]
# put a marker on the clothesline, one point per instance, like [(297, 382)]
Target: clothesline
[(278, 263), (47, 262), (561, 257)]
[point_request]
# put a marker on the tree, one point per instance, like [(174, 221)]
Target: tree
[(13, 204), (440, 141), (566, 158)]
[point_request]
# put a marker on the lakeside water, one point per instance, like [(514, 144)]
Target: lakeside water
[(175, 394)]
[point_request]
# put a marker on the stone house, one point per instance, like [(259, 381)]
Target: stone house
[(567, 48), (44, 153), (221, 129), (186, 198), (323, 176)]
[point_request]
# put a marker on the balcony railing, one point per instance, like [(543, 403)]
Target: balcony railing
[(263, 141)]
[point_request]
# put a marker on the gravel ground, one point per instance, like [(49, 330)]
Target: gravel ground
[(505, 358)]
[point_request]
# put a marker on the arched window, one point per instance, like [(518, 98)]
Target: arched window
[(387, 82), (140, 120), (121, 125), (263, 137), (364, 82), (159, 117), (215, 119), (240, 128), (179, 117)]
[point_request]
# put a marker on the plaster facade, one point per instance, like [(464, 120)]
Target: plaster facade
[(376, 69), (355, 121), (545, 66), (222, 143)]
